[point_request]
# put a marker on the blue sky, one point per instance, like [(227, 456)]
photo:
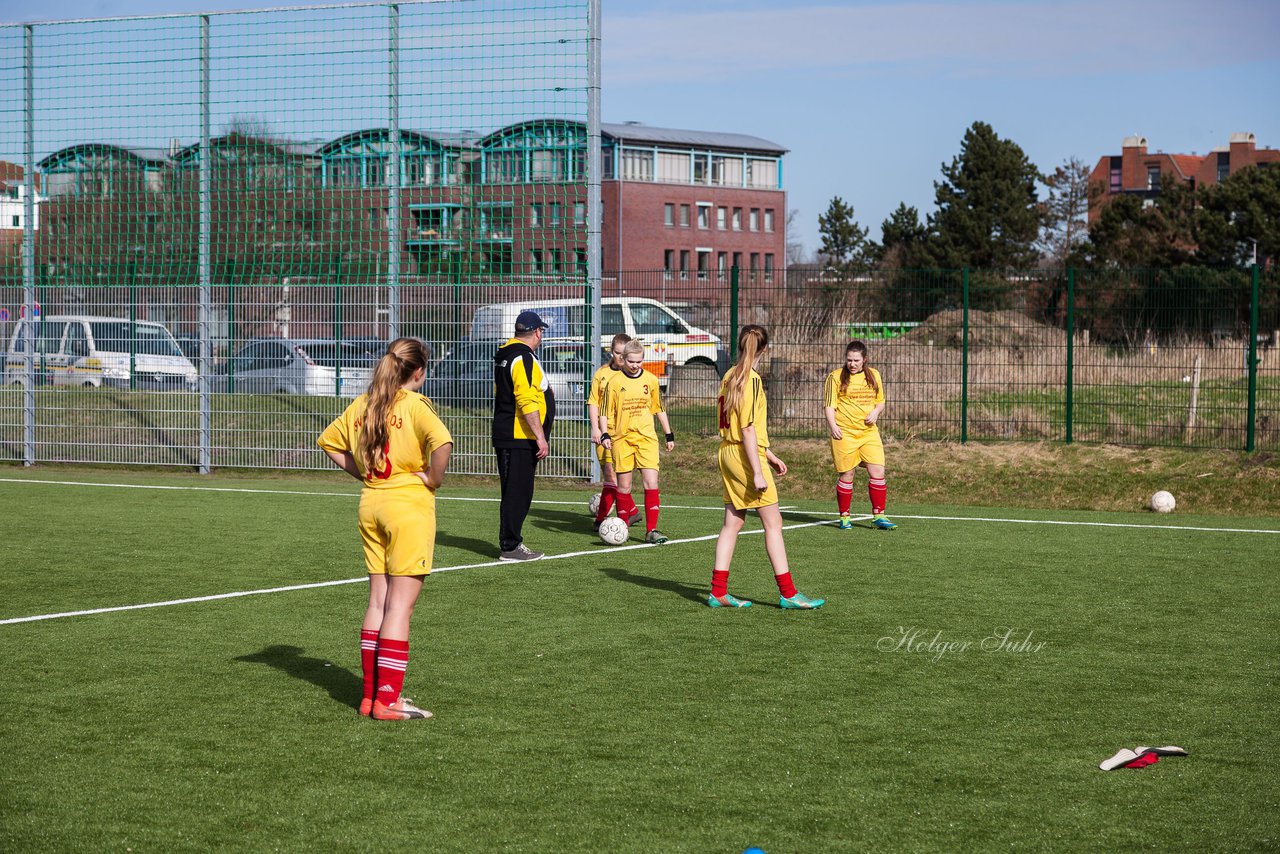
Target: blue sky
[(872, 97)]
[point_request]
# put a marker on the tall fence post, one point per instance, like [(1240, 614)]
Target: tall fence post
[(964, 360), (133, 322), (31, 327), (1251, 427), (595, 204), (1071, 350), (203, 260), (394, 241), (337, 338), (733, 314)]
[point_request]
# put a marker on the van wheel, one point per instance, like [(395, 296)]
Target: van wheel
[(701, 361), (88, 384)]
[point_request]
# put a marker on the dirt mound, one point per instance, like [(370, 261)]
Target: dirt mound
[(987, 329)]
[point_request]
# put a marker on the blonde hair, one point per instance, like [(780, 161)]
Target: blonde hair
[(846, 374), (632, 347), (752, 341), (397, 365)]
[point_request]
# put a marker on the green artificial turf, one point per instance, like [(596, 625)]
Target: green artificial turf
[(593, 703)]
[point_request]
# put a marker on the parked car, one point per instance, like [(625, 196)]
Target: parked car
[(93, 351), (463, 378), (316, 366), (667, 337)]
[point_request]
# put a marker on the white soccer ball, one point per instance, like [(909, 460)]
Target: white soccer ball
[(613, 531), (1162, 502), (594, 504)]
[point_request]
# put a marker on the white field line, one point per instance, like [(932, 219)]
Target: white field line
[(1089, 524), (240, 593)]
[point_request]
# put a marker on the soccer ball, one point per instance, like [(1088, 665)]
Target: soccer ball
[(613, 531), (593, 506), (1162, 502)]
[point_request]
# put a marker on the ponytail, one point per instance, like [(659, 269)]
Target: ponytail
[(397, 365), (846, 374), (752, 341)]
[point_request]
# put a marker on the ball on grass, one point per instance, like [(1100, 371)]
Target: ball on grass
[(613, 531), (1162, 502)]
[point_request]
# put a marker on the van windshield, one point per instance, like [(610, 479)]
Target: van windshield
[(113, 337)]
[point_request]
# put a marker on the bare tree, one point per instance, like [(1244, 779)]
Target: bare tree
[(795, 249), (1065, 225)]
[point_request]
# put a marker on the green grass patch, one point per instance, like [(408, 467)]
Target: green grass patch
[(592, 703)]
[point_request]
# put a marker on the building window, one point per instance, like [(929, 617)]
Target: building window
[(755, 261), (755, 219), (553, 261), (535, 215), (684, 216), (722, 263), (1153, 177), (768, 219), (668, 262), (579, 213), (378, 217), (768, 265), (699, 168), (553, 213), (17, 221), (722, 217), (535, 261), (1224, 165), (580, 258), (737, 260), (668, 214), (704, 263), (673, 167), (684, 263), (637, 165), (704, 214), (737, 219), (1117, 174)]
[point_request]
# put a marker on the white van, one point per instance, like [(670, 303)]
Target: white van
[(667, 337), (91, 351)]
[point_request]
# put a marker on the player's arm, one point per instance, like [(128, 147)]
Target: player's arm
[(666, 428), (593, 418), (527, 403), (345, 461), (751, 445), (439, 463), (601, 424), (775, 462), (829, 408), (874, 415)]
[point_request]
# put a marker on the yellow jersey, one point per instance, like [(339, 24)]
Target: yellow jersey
[(857, 400), (414, 432), (753, 411), (602, 375), (630, 403)]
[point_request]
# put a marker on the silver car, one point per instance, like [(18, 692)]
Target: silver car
[(316, 366)]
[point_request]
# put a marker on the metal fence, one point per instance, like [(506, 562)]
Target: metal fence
[(1187, 357), (1143, 357), (194, 203)]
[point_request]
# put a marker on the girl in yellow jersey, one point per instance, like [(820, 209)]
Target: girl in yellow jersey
[(392, 441), (628, 403), (745, 469), (608, 478), (853, 401)]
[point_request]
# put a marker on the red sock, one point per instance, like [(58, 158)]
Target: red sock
[(785, 585), (879, 494), (393, 660), (608, 494), (844, 496), (369, 661), (651, 507), (719, 582), (626, 507)]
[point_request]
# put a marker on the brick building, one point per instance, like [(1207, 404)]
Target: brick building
[(1135, 171)]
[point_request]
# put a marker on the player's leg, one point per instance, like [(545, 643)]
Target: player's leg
[(652, 505), (844, 497), (877, 488), (771, 518), (369, 639), (608, 485), (725, 545), (393, 650), (624, 461)]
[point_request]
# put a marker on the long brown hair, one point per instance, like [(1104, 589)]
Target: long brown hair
[(403, 357), (752, 341), (846, 374)]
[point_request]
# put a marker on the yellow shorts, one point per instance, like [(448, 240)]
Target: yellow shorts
[(635, 453), (848, 453), (739, 484), (603, 455), (398, 530)]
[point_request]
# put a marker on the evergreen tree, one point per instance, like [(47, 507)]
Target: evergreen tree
[(987, 215), (844, 242), (1240, 216), (1132, 233), (903, 238), (1066, 211)]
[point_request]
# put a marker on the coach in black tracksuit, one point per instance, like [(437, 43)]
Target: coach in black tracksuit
[(523, 411)]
